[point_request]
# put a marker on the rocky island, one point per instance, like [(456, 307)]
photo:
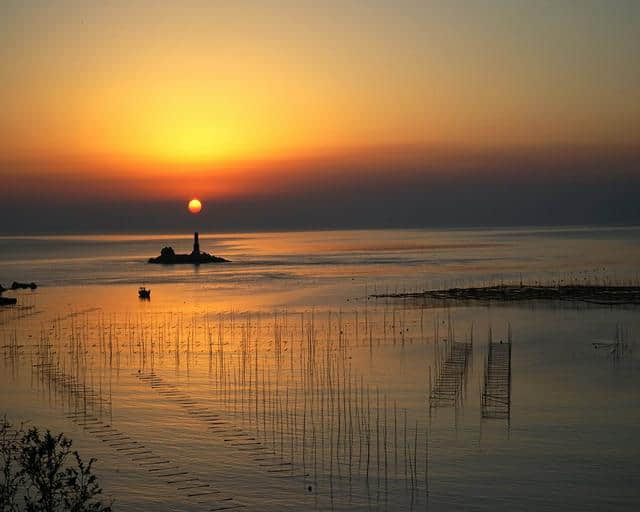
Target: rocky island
[(169, 257), (8, 301)]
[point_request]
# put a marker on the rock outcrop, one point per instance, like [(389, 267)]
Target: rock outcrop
[(169, 257), (23, 286)]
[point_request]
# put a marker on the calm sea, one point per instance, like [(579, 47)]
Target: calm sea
[(275, 382)]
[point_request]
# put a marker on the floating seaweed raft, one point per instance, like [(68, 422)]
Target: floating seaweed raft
[(606, 295)]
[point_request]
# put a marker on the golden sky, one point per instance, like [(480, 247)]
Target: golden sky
[(201, 91)]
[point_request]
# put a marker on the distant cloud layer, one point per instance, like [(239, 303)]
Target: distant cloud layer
[(341, 192)]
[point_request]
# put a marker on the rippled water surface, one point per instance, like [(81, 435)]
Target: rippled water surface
[(275, 383)]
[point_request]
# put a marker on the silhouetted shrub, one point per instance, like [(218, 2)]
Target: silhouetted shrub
[(37, 476)]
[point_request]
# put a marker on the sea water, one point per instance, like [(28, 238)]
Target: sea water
[(277, 382)]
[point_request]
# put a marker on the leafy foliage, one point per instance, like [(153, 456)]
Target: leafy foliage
[(11, 476), (35, 470)]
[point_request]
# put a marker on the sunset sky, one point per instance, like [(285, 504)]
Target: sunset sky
[(318, 114)]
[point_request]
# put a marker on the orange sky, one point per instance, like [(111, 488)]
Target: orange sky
[(224, 101)]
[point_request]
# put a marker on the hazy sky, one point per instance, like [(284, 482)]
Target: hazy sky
[(310, 114)]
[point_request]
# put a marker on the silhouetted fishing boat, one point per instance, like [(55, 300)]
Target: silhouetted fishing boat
[(143, 293)]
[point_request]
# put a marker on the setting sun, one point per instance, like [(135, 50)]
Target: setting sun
[(195, 206)]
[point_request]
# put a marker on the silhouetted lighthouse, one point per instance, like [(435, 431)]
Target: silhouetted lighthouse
[(169, 257), (196, 244)]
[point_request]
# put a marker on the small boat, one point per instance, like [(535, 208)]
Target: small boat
[(143, 293)]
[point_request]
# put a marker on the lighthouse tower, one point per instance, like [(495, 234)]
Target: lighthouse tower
[(196, 244)]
